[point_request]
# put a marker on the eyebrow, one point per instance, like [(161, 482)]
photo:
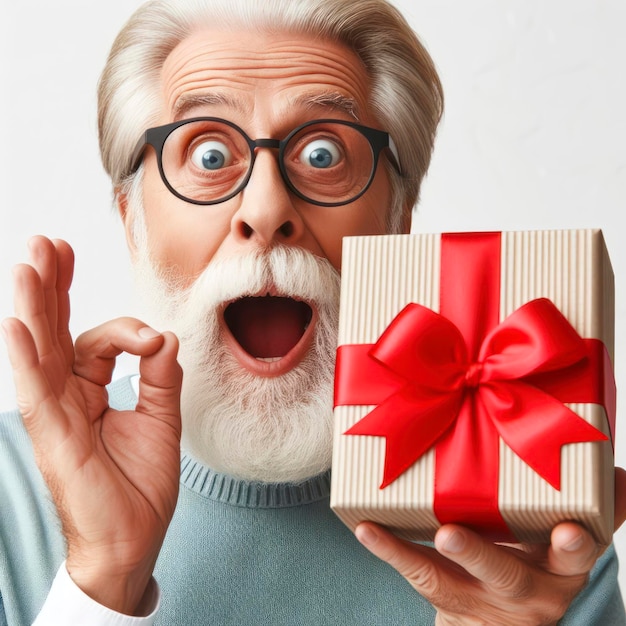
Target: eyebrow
[(334, 101), (187, 102), (330, 100)]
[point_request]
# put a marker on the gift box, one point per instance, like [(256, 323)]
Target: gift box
[(474, 384)]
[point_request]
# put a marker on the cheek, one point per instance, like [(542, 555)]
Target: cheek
[(329, 229), (365, 216), (182, 237)]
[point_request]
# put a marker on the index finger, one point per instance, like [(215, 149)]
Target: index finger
[(484, 560), (96, 350)]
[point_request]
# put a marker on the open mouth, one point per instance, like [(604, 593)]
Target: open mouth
[(269, 328)]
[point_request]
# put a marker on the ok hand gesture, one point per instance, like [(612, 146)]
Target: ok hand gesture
[(113, 474)]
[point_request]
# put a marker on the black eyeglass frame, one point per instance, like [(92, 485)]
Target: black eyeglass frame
[(157, 136)]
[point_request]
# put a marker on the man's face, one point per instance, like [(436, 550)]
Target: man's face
[(267, 85), (264, 355)]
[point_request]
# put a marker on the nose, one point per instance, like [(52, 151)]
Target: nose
[(266, 213)]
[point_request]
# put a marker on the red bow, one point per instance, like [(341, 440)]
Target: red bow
[(422, 361)]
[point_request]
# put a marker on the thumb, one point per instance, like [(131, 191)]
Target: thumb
[(160, 382)]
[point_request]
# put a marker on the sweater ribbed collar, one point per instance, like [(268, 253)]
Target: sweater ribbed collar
[(222, 488)]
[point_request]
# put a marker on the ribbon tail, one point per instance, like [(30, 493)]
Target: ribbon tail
[(590, 380), (410, 428), (535, 425)]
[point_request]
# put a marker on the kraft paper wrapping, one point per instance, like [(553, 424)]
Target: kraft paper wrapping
[(380, 275)]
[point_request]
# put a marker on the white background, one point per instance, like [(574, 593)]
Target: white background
[(534, 136)]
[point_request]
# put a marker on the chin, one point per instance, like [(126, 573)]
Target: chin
[(267, 429)]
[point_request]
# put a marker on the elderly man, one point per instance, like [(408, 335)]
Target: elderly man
[(243, 140)]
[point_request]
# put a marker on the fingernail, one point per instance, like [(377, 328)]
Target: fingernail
[(574, 544), (454, 543), (366, 535), (3, 331), (148, 333)]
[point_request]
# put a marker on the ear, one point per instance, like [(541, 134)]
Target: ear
[(121, 199)]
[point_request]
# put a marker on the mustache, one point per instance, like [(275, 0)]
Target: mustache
[(282, 270)]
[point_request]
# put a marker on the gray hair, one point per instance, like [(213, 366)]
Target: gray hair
[(406, 95)]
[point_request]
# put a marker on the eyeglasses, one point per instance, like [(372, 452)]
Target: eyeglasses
[(207, 160)]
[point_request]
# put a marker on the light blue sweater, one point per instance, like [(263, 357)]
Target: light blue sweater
[(236, 553)]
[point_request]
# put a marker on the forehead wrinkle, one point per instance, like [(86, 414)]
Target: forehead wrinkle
[(187, 81), (203, 64)]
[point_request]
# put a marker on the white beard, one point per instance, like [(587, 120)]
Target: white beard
[(270, 429)]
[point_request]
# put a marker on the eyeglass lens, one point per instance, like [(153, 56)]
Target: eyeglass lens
[(209, 161)]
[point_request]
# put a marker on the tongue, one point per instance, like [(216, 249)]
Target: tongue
[(267, 326)]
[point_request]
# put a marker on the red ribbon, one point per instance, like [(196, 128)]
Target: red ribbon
[(459, 380)]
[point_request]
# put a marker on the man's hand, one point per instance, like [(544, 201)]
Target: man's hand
[(113, 475), (472, 581)]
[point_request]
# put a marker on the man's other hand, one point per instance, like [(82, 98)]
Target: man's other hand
[(471, 581)]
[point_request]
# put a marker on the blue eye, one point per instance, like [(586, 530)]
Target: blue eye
[(320, 154), (211, 155)]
